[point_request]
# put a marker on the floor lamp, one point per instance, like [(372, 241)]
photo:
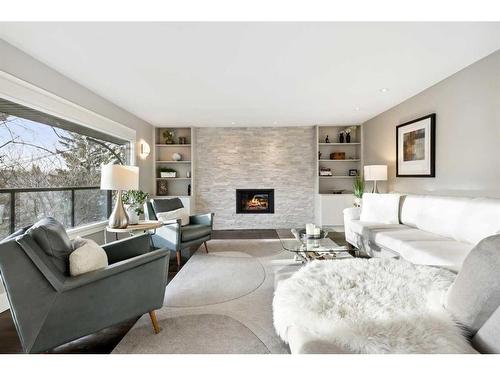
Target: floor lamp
[(375, 173), (119, 177)]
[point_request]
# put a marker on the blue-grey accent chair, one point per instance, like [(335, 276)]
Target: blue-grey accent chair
[(174, 236), (49, 307)]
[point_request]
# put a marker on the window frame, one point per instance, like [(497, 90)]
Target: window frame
[(31, 96)]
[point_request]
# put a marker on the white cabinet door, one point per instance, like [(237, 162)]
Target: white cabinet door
[(331, 207)]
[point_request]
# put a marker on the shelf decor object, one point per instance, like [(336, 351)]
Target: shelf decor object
[(169, 136), (375, 173), (416, 148), (161, 187), (168, 173), (119, 177), (337, 156)]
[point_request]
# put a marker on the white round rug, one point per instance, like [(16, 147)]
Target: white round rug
[(207, 280)]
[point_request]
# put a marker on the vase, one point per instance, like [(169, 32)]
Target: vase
[(341, 138), (176, 156), (133, 217), (357, 202), (348, 138)]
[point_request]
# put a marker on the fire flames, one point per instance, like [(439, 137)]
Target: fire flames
[(258, 202)]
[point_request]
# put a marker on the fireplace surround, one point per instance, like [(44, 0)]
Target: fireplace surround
[(254, 201)]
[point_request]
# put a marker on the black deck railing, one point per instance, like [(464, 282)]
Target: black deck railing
[(12, 192)]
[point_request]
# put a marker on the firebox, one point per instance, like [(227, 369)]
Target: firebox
[(254, 201)]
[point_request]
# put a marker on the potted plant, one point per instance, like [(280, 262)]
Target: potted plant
[(168, 173), (169, 136), (134, 201), (359, 189)]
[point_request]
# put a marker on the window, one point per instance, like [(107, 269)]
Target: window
[(51, 167)]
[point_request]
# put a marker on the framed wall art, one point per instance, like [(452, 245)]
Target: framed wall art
[(416, 148)]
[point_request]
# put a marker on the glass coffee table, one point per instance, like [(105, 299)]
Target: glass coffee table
[(307, 249)]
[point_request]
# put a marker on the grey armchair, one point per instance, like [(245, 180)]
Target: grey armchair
[(50, 308), (174, 236)]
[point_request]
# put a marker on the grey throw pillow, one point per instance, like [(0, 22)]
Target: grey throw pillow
[(475, 294), (52, 238), (166, 205)]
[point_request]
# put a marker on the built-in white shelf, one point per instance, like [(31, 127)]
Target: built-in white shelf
[(173, 145), (338, 161), (340, 144), (172, 187), (173, 161), (329, 206)]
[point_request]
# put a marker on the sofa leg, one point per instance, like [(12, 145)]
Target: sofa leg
[(206, 248), (178, 256), (154, 321)]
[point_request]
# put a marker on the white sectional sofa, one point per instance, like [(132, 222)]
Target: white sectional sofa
[(423, 229)]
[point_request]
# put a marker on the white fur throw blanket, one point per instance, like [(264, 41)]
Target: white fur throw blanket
[(370, 306)]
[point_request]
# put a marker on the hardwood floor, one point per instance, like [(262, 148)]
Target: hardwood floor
[(104, 341)]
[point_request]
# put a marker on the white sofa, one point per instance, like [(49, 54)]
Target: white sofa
[(423, 229)]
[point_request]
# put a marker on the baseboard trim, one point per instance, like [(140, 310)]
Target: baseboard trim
[(4, 302)]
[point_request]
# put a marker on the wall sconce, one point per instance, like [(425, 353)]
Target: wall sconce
[(145, 150)]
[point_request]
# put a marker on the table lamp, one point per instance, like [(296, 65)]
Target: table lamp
[(375, 173), (119, 177)]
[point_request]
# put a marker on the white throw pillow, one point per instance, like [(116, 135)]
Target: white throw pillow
[(380, 208), (180, 213), (88, 256)]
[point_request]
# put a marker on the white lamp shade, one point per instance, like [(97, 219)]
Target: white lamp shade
[(119, 177), (375, 172)]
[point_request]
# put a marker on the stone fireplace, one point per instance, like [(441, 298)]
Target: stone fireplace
[(254, 201)]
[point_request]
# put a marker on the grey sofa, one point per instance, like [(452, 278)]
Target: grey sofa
[(174, 236), (50, 308)]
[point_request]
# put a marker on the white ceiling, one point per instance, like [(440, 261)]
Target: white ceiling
[(255, 74)]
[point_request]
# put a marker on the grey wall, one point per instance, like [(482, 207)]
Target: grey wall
[(467, 105), (25, 67), (232, 158)]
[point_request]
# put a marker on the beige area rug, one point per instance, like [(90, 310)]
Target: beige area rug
[(220, 302)]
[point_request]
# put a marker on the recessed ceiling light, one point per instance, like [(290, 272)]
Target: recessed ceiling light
[(233, 123), (357, 109), (275, 122), (384, 89)]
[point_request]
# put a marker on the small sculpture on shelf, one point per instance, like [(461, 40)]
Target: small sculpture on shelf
[(176, 156), (341, 137), (319, 155), (169, 136), (327, 140), (348, 133)]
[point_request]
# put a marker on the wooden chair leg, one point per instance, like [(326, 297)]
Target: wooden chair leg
[(206, 248), (178, 256), (154, 321)]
